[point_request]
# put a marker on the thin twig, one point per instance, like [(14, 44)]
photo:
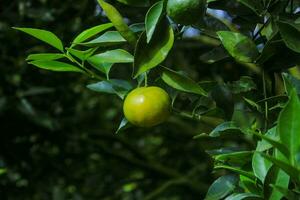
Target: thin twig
[(213, 121), (261, 28), (185, 180), (89, 72), (265, 96)]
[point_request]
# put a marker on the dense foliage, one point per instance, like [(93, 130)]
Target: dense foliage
[(232, 76)]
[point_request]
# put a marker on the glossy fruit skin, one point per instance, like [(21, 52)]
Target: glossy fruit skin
[(186, 12), (147, 106)]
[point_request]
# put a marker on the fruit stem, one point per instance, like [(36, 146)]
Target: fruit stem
[(146, 79)]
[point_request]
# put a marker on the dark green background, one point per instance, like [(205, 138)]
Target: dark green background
[(57, 138)]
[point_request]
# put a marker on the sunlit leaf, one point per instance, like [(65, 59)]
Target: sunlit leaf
[(234, 158), (236, 170), (260, 166), (150, 55), (238, 46), (278, 177), (109, 38), (112, 56), (118, 21), (289, 169), (181, 82), (291, 82), (45, 36), (55, 66), (275, 143), (113, 86), (289, 127), (152, 18), (85, 35), (82, 55), (45, 56), (289, 194)]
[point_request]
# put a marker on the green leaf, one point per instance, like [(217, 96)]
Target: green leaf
[(107, 39), (234, 158), (87, 34), (152, 18), (263, 145), (226, 128), (290, 34), (221, 187), (150, 55), (181, 82), (275, 176), (270, 30), (236, 170), (291, 82), (286, 192), (275, 143), (82, 55), (289, 169), (137, 27), (104, 61), (112, 56), (112, 86), (260, 166), (116, 18), (253, 104), (55, 66), (289, 127), (45, 36), (139, 3), (45, 56), (250, 185), (255, 6), (271, 48), (123, 125), (102, 67), (244, 196), (238, 46)]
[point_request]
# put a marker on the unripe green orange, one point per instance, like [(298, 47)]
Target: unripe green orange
[(186, 12), (147, 106)]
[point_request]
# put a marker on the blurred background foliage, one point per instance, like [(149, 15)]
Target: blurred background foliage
[(57, 138)]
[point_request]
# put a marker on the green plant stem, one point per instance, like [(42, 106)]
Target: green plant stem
[(265, 96), (89, 72), (151, 166), (253, 67), (116, 18), (213, 121), (261, 28), (141, 160), (164, 187), (185, 180)]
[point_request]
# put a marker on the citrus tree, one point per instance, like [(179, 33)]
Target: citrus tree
[(253, 123)]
